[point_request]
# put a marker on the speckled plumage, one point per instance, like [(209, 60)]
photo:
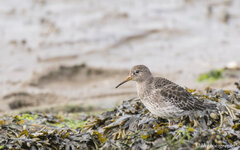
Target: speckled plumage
[(163, 97)]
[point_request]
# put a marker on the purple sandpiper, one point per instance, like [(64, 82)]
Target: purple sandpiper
[(162, 97)]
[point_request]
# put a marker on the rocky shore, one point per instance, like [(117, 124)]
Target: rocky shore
[(127, 126)]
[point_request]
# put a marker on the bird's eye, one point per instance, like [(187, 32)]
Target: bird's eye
[(137, 71)]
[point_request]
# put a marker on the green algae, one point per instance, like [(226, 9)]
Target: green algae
[(58, 121), (211, 76), (27, 116), (74, 124)]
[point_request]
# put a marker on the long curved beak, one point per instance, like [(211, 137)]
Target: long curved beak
[(126, 80)]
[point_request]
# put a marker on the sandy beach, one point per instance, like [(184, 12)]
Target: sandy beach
[(72, 52)]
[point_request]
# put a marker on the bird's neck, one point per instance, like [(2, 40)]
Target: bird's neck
[(143, 86)]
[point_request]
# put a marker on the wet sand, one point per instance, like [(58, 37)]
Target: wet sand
[(44, 44)]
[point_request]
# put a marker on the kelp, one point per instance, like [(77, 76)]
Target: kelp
[(128, 126)]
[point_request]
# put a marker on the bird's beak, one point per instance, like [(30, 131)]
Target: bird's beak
[(126, 80)]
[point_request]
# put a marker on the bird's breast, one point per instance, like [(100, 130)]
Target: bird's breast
[(144, 92), (141, 90)]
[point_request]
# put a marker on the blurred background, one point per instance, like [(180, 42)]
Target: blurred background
[(74, 52)]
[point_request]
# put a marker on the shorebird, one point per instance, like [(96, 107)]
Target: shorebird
[(162, 97)]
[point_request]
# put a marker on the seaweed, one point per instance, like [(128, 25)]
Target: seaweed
[(211, 76), (128, 126), (219, 74)]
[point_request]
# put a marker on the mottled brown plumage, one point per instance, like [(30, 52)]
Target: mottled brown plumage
[(163, 97)]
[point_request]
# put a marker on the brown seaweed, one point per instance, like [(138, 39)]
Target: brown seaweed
[(128, 126)]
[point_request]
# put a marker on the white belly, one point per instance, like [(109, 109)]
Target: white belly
[(165, 110), (159, 107)]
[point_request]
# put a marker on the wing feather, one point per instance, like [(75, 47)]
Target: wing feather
[(181, 98)]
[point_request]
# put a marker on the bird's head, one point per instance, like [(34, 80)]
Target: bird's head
[(138, 73)]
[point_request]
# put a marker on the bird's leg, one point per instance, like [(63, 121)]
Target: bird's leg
[(180, 124), (171, 122), (192, 119), (195, 123)]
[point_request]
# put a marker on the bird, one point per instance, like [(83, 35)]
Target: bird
[(163, 97)]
